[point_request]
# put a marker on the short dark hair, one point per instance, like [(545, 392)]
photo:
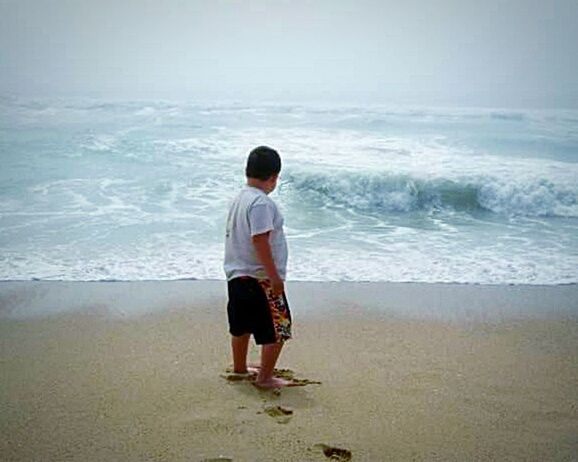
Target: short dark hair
[(263, 163)]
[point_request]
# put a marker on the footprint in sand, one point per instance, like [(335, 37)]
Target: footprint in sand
[(333, 453), (231, 376), (286, 374), (281, 415)]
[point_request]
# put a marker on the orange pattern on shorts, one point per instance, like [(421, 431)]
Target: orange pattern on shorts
[(279, 312)]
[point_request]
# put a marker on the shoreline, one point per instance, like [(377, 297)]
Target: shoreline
[(429, 301), (299, 281)]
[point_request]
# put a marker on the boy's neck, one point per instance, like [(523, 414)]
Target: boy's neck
[(256, 183)]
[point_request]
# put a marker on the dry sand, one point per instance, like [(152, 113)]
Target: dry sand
[(108, 377)]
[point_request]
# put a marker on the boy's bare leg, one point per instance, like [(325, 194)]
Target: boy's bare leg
[(269, 355), (240, 346)]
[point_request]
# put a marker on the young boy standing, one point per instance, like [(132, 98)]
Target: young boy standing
[(255, 265)]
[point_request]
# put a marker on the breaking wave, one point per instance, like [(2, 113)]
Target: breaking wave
[(383, 192)]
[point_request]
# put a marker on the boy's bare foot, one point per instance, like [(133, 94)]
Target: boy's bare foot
[(274, 382), (251, 370)]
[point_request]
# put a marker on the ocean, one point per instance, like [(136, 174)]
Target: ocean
[(139, 190)]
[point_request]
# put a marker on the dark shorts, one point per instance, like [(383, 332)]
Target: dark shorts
[(253, 309)]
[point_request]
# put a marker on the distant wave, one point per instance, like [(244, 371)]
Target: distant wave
[(372, 113), (507, 115), (382, 192)]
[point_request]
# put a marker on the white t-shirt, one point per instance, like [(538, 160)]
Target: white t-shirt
[(253, 212)]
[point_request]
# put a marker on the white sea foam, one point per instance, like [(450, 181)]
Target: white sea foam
[(100, 143)]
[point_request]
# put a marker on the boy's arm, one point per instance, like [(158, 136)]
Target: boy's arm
[(265, 255)]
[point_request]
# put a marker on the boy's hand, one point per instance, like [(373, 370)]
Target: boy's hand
[(263, 250), (277, 286)]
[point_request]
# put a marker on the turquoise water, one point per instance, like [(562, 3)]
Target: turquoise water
[(93, 190)]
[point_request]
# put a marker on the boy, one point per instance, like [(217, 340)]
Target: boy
[(255, 265)]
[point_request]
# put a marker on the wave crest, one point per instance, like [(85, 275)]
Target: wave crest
[(383, 192)]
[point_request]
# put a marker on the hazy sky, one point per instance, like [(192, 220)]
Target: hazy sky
[(507, 53)]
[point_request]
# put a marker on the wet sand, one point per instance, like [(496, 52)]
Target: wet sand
[(135, 371)]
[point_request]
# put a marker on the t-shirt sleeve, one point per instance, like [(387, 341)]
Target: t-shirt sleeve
[(261, 218)]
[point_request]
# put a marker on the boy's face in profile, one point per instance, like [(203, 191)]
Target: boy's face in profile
[(270, 184)]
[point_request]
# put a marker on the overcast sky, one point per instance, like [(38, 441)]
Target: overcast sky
[(506, 53)]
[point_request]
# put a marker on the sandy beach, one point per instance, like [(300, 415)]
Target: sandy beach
[(137, 371)]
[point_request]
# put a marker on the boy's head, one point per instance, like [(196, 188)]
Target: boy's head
[(263, 167), (263, 163)]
